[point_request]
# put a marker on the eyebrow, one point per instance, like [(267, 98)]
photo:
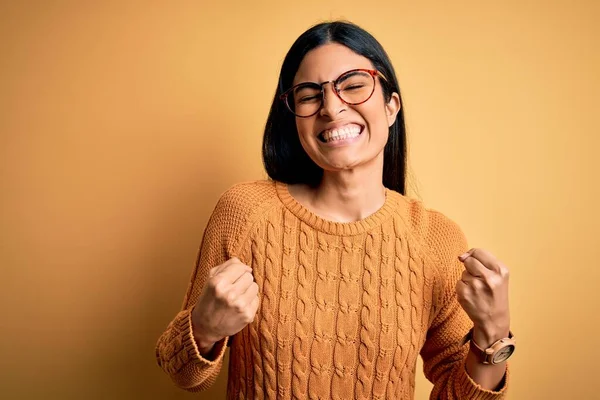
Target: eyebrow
[(348, 75), (303, 85)]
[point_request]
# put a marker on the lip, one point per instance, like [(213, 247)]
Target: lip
[(342, 142)]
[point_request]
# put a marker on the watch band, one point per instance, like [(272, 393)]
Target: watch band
[(498, 352)]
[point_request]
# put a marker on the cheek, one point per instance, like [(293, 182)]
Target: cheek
[(305, 127), (305, 132), (376, 119)]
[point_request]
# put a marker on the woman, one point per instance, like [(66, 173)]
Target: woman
[(326, 281)]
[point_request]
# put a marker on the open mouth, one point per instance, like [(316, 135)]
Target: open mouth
[(346, 132)]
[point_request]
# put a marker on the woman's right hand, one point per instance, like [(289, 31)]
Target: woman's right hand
[(228, 302)]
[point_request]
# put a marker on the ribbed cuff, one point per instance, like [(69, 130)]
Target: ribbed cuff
[(473, 391), (191, 347)]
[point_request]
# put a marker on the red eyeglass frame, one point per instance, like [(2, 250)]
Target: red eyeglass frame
[(373, 72)]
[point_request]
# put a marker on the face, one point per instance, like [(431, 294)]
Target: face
[(341, 136)]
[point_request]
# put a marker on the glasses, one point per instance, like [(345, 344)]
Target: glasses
[(352, 87)]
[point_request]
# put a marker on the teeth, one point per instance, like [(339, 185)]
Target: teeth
[(346, 132)]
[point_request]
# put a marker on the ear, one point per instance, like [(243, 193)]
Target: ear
[(392, 108)]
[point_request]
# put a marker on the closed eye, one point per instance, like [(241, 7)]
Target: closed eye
[(353, 87), (308, 99)]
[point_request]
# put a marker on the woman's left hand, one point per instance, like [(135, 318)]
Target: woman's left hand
[(483, 294)]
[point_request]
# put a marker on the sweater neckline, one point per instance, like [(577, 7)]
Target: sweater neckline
[(333, 227)]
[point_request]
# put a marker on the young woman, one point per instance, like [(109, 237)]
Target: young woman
[(326, 281)]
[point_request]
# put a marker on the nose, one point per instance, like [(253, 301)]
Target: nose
[(332, 104)]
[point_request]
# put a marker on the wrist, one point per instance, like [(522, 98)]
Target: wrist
[(204, 345), (204, 341), (484, 337)]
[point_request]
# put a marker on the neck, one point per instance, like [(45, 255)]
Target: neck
[(349, 195)]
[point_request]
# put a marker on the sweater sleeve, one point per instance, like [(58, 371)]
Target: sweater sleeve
[(444, 356), (176, 351)]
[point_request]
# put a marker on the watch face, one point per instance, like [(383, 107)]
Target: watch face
[(503, 354)]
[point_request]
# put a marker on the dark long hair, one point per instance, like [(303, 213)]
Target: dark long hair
[(284, 157)]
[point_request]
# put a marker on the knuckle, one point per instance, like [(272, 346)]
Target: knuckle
[(238, 263), (231, 299), (219, 288), (239, 305), (238, 266), (253, 313), (213, 281), (494, 281), (247, 318)]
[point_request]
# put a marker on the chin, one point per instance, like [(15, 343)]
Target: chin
[(339, 165)]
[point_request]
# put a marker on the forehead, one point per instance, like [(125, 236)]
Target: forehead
[(327, 62)]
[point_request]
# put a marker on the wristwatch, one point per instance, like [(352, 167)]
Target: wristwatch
[(497, 353)]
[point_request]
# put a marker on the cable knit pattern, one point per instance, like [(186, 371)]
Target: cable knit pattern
[(285, 326), (304, 305), (268, 325), (387, 311), (367, 319), (346, 308), (255, 344), (326, 304), (400, 290)]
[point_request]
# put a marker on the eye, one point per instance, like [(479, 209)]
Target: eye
[(352, 87), (308, 99)]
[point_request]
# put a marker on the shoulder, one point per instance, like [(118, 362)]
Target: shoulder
[(246, 196), (236, 211), (242, 202), (438, 234)]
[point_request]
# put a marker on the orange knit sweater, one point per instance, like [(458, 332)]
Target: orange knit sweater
[(346, 308)]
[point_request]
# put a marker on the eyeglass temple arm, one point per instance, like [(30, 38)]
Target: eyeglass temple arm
[(381, 75)]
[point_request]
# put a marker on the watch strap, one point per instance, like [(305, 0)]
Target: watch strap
[(486, 356)]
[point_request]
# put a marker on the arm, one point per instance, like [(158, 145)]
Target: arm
[(191, 362), (489, 377), (450, 366), (483, 293)]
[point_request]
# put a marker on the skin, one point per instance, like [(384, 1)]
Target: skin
[(352, 187), (351, 190), (228, 302)]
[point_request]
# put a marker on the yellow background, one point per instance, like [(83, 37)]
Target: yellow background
[(121, 123)]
